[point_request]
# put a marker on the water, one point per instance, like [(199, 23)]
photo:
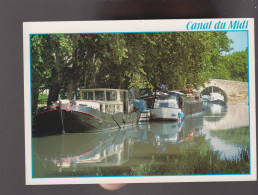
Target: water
[(214, 142)]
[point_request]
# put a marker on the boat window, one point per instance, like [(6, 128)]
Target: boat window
[(167, 104), (163, 104), (87, 95), (111, 95), (100, 95)]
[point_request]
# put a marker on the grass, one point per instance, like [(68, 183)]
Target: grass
[(239, 136)]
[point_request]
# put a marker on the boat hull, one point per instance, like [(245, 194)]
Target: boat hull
[(90, 120), (192, 107), (163, 113), (48, 121), (79, 119), (220, 102)]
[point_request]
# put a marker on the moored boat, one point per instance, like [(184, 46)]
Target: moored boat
[(97, 109), (192, 106), (166, 108), (216, 98)]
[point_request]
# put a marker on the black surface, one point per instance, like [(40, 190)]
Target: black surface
[(13, 13)]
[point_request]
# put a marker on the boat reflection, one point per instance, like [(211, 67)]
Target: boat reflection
[(111, 148), (92, 149), (214, 112), (193, 127), (166, 132), (219, 117)]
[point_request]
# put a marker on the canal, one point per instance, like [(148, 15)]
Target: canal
[(214, 142)]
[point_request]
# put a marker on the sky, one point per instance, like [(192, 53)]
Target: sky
[(240, 40)]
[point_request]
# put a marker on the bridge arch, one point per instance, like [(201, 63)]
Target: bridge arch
[(208, 90), (233, 91)]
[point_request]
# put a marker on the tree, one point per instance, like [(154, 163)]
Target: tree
[(237, 65), (41, 63), (64, 62)]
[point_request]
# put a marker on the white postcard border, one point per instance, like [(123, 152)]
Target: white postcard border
[(132, 26)]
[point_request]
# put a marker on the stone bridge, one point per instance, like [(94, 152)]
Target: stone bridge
[(234, 91)]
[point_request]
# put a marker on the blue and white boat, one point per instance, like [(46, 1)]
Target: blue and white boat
[(166, 108)]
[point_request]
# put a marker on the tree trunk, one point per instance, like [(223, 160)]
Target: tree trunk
[(35, 94), (56, 82), (53, 94), (72, 86)]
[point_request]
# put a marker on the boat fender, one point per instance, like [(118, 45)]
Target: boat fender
[(181, 115)]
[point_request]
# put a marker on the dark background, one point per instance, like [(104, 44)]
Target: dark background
[(14, 12)]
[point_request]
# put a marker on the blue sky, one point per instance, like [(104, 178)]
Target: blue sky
[(240, 40)]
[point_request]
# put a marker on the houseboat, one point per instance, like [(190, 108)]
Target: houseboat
[(97, 109)]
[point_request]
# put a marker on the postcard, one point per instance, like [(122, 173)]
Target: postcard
[(139, 101)]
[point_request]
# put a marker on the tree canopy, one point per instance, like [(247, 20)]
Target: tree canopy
[(233, 67), (64, 62)]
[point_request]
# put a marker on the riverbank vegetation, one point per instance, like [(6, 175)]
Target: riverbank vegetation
[(238, 136), (63, 63)]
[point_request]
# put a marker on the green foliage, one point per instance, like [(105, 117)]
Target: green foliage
[(232, 67), (62, 63), (237, 65), (42, 99), (143, 169)]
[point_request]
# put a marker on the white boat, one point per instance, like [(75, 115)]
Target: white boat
[(216, 98), (166, 108)]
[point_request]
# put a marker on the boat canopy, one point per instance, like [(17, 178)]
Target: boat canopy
[(168, 96)]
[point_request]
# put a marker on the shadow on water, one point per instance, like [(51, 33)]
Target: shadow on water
[(156, 148)]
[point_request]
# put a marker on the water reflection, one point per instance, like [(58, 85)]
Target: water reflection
[(148, 148), (167, 133), (219, 117), (94, 149), (228, 150)]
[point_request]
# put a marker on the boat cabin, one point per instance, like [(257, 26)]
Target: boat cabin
[(166, 101), (172, 103), (105, 100)]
